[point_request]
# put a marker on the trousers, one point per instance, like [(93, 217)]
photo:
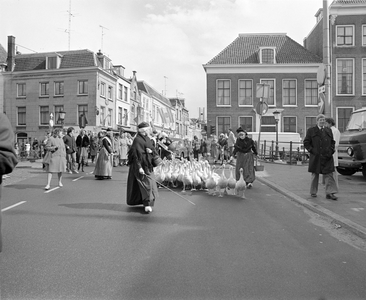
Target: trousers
[(331, 186)]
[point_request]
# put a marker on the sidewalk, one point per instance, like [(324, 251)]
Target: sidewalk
[(293, 181)]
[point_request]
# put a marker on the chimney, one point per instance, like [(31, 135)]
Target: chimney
[(11, 53)]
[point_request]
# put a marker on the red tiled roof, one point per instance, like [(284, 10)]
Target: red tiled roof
[(245, 49), (70, 59)]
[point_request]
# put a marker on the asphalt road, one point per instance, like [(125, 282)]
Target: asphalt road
[(83, 242)]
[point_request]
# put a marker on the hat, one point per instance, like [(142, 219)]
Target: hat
[(143, 125), (109, 129), (240, 130)]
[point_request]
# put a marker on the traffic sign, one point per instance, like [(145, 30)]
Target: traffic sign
[(321, 89), (262, 90), (261, 108)]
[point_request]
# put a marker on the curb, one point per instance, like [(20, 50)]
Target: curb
[(356, 229)]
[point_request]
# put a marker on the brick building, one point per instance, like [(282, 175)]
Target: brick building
[(274, 59)]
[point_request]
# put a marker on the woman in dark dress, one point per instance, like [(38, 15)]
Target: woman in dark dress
[(103, 166), (141, 184)]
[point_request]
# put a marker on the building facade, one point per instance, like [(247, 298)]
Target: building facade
[(286, 67), (347, 41)]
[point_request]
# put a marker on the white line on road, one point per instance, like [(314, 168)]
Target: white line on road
[(76, 179), (55, 188), (9, 207)]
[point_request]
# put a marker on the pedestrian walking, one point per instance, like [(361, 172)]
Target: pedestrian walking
[(320, 143), (196, 147), (93, 146), (204, 148), (214, 149), (245, 150), (231, 142), (70, 145), (55, 162), (123, 149), (116, 150), (8, 158), (141, 184), (222, 148), (82, 144), (104, 164)]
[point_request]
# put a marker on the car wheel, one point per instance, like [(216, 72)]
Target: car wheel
[(346, 172)]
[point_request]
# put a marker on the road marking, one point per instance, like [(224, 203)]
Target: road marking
[(9, 207), (357, 208), (55, 188), (76, 179)]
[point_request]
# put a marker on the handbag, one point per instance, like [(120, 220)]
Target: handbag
[(156, 160), (47, 158)]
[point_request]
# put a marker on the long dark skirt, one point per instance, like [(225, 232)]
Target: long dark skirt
[(103, 166), (245, 161), (141, 189)]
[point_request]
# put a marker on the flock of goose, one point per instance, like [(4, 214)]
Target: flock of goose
[(200, 175)]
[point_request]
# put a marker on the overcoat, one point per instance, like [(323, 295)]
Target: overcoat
[(320, 144), (58, 158), (141, 189)]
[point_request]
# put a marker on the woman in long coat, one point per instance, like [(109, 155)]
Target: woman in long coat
[(57, 162), (141, 184), (123, 149), (93, 146), (245, 150), (104, 164)]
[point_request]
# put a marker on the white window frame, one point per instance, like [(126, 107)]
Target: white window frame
[(55, 90), (251, 117), (353, 76), (110, 92), (48, 89), (103, 89), (85, 83), (353, 35), (120, 91), (274, 91), (337, 112), (283, 123), (25, 113), (25, 90), (261, 55), (251, 100), (217, 93), (363, 35), (311, 105), (289, 105), (363, 77)]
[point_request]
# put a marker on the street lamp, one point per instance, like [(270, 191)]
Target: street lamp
[(276, 115), (51, 122)]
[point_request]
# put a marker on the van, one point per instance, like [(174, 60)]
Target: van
[(352, 145)]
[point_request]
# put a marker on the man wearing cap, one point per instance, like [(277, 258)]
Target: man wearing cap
[(141, 184), (320, 143), (245, 150), (70, 145)]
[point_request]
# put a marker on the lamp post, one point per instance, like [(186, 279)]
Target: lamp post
[(51, 122), (276, 115)]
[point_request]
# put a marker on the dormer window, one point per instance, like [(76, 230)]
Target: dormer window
[(53, 62), (267, 55)]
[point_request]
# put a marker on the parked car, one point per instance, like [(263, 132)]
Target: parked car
[(182, 148)]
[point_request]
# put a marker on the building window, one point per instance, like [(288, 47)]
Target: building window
[(119, 115), (83, 87), (102, 89), (363, 35), (223, 124), (59, 88), (289, 124), (21, 116), (345, 76), (364, 76), (267, 56), (268, 124), (44, 89), (21, 91), (58, 109), (125, 93), (289, 92), (44, 115), (271, 101), (120, 91), (110, 92), (223, 92), (246, 123), (245, 92), (109, 117), (311, 93), (83, 110), (102, 115), (125, 117), (345, 35), (310, 122), (344, 114)]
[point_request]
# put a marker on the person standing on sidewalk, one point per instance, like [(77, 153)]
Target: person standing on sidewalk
[(8, 159), (82, 144), (231, 142), (320, 143), (329, 122), (70, 145)]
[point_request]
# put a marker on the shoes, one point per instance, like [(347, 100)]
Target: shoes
[(75, 172), (60, 184), (70, 172), (47, 187), (250, 185), (148, 209), (331, 196), (313, 195)]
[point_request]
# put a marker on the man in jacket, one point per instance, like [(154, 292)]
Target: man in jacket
[(8, 159), (320, 143), (70, 145)]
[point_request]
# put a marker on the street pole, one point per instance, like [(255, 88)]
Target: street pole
[(326, 60)]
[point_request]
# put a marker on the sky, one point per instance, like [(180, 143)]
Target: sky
[(166, 42)]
